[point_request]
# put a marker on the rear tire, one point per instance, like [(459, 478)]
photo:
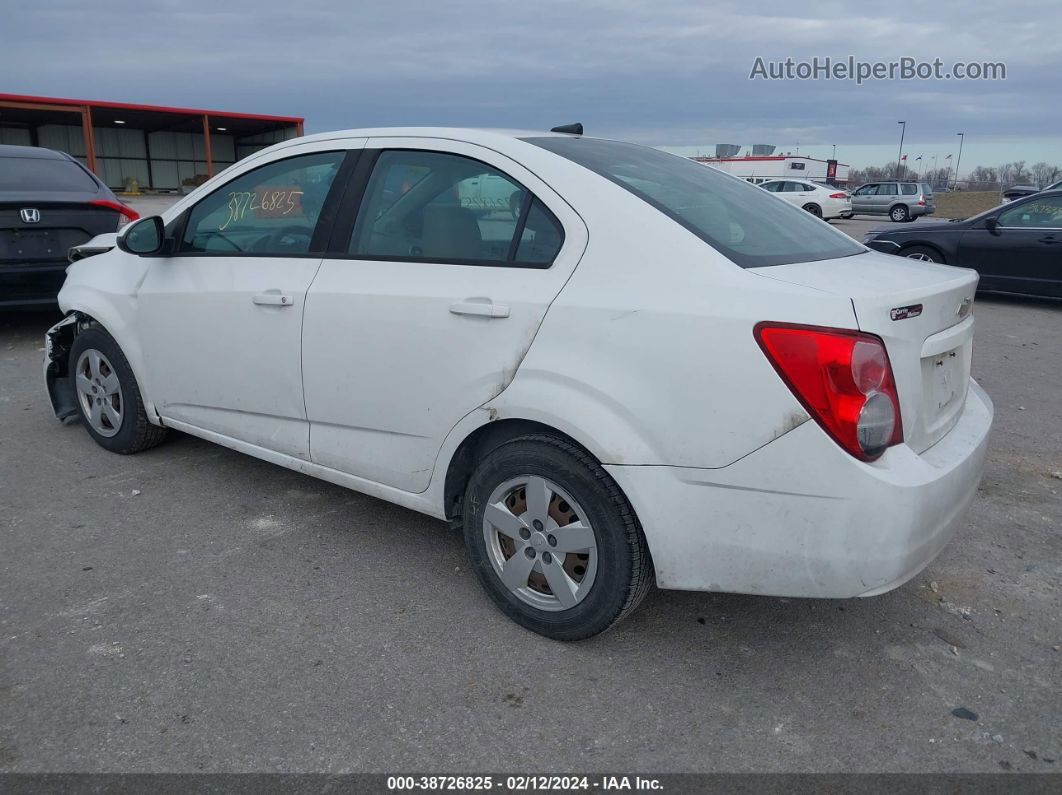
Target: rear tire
[(900, 214), (544, 514), (814, 209), (923, 254), (107, 395)]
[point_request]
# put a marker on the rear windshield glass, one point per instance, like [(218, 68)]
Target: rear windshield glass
[(742, 221), (24, 174)]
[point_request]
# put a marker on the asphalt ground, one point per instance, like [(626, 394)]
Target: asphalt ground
[(194, 609)]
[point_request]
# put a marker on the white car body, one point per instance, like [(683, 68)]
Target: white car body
[(831, 202), (637, 343)]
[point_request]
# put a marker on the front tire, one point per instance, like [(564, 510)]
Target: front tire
[(108, 396), (923, 254), (553, 540)]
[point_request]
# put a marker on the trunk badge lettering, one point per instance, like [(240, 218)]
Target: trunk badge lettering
[(30, 216), (904, 312)]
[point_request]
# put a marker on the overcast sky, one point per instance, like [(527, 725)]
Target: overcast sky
[(663, 72)]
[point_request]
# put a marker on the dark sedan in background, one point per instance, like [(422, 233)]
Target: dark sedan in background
[(1016, 247), (49, 203), (1018, 191)]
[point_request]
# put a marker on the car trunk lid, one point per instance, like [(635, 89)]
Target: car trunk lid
[(922, 311)]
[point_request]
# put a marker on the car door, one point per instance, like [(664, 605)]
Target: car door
[(883, 198), (1023, 252), (428, 302), (221, 318), (862, 199)]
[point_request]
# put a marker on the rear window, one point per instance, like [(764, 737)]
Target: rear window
[(44, 174), (733, 217)]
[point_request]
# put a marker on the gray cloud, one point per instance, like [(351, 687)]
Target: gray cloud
[(663, 72)]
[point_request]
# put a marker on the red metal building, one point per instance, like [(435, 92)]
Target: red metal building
[(159, 147)]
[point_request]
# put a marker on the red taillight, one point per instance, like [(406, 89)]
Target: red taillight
[(843, 379), (838, 195), (921, 202), (127, 211)]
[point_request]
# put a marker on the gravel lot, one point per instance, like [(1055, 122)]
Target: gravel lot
[(191, 609)]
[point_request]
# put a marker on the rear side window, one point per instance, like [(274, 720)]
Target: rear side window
[(26, 174), (886, 190), (272, 210), (438, 207), (909, 190), (730, 215)]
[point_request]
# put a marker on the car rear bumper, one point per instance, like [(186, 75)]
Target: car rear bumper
[(800, 517), (28, 285)]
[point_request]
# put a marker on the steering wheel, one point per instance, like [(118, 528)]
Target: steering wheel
[(275, 241)]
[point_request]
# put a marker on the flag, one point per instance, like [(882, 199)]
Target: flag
[(904, 157), (948, 157)]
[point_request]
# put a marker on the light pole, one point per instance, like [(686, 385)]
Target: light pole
[(903, 129), (959, 158), (834, 152)]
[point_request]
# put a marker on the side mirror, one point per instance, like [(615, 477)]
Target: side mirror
[(992, 225), (146, 236)]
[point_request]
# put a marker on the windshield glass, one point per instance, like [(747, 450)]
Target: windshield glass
[(744, 222), (44, 174)]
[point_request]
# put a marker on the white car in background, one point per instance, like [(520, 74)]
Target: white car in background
[(823, 201), (650, 370)]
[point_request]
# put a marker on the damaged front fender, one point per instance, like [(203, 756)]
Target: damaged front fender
[(57, 377)]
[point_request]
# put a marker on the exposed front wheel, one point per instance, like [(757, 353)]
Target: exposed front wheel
[(899, 213), (553, 540), (108, 396)]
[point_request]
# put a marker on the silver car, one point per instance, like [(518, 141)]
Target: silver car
[(901, 201)]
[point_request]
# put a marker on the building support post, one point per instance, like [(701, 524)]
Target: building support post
[(206, 144), (90, 139)]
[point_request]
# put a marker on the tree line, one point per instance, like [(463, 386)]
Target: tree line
[(1038, 175)]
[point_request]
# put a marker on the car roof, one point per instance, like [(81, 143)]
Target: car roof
[(38, 152), (469, 134)]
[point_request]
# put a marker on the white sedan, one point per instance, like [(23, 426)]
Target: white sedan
[(623, 367), (823, 201)]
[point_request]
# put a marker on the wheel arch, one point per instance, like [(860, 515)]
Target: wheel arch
[(481, 440)]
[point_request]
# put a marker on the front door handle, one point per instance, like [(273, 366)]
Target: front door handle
[(1050, 239), (272, 299), (481, 307)]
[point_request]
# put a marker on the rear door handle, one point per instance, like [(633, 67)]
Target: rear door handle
[(481, 307), (272, 299), (1050, 239)]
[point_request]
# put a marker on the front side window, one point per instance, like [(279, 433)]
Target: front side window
[(1043, 213), (773, 187), (439, 207), (867, 190), (730, 215), (272, 210)]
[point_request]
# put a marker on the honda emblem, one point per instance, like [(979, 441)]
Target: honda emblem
[(30, 216)]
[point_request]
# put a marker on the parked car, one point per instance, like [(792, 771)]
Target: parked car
[(901, 201), (49, 203), (1016, 247), (821, 201), (654, 370), (1019, 191)]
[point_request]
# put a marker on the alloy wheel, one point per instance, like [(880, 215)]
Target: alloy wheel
[(99, 392)]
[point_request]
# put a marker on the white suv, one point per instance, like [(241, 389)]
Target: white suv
[(649, 370)]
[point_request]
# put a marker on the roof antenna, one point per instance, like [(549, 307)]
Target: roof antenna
[(572, 129)]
